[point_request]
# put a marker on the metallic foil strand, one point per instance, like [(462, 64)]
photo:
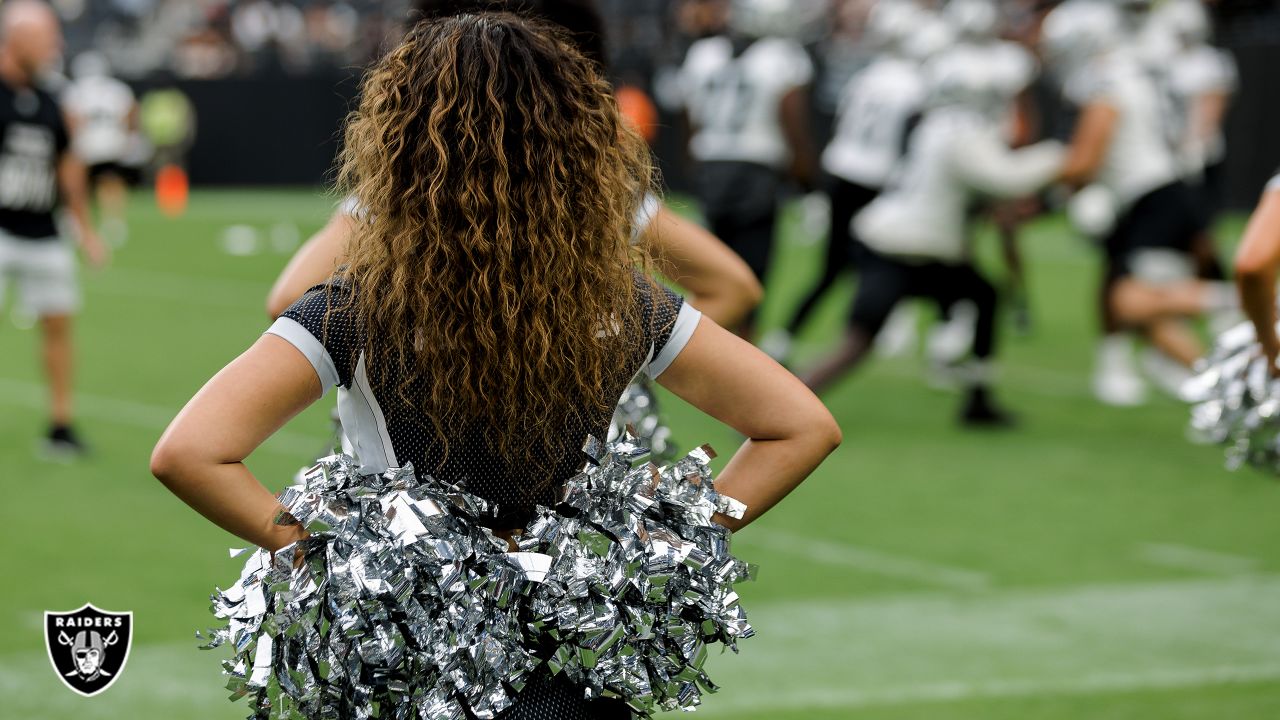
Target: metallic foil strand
[(405, 606), (1235, 402)]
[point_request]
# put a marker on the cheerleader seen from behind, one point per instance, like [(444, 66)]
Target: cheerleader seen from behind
[(490, 314)]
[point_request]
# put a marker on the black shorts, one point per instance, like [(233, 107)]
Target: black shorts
[(847, 200), (740, 201), (1210, 192), (547, 696), (1167, 218), (884, 281), (130, 175)]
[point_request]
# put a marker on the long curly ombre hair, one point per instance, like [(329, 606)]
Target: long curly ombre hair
[(493, 258)]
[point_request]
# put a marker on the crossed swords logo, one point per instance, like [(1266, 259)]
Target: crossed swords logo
[(88, 650)]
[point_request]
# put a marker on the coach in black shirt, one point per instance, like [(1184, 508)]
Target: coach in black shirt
[(38, 174)]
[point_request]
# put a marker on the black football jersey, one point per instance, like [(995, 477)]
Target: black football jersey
[(33, 136)]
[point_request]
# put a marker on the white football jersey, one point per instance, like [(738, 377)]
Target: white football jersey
[(734, 102), (876, 106), (1007, 68), (101, 106), (1140, 157), (1195, 72), (955, 156), (1014, 69)]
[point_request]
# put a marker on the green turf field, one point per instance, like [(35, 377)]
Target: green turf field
[(1092, 565)]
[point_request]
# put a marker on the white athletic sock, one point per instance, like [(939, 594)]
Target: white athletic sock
[(1115, 379)]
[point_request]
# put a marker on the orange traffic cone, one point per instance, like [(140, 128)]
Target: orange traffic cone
[(172, 190), (638, 111)]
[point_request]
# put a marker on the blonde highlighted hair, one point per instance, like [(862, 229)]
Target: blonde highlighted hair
[(499, 187)]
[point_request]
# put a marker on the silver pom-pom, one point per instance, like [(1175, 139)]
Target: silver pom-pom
[(1236, 402), (637, 414), (404, 606)]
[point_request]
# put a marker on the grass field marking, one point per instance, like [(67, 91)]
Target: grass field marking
[(871, 561), (1185, 557), (19, 393), (920, 649), (947, 647), (949, 692), (191, 289)]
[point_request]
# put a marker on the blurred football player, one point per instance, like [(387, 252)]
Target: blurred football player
[(39, 174), (1120, 147), (977, 27), (877, 106), (1199, 80), (917, 243), (746, 95), (104, 116)]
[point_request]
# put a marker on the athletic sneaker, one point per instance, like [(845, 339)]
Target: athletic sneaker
[(1115, 380), (980, 411), (62, 443)]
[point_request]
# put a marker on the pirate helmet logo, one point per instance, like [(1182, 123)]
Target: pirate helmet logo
[(88, 647)]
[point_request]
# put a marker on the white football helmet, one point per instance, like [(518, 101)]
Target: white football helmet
[(931, 36), (1013, 66), (1186, 20), (1079, 30), (891, 23), (973, 19), (962, 76), (802, 20), (984, 77)]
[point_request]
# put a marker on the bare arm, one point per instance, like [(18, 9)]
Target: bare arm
[(1210, 110), (794, 114), (1207, 112), (789, 431), (73, 182), (719, 282), (988, 165), (1089, 143), (200, 456), (314, 262), (1257, 260)]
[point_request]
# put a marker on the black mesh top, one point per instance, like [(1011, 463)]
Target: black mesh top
[(387, 432)]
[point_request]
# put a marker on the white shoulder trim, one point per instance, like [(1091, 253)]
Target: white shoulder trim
[(686, 323), (364, 423), (298, 336), (1273, 183)]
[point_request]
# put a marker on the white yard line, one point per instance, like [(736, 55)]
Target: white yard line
[(1084, 639), (944, 692), (1184, 557), (182, 288), (868, 560), (926, 648), (19, 393), (932, 648)]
